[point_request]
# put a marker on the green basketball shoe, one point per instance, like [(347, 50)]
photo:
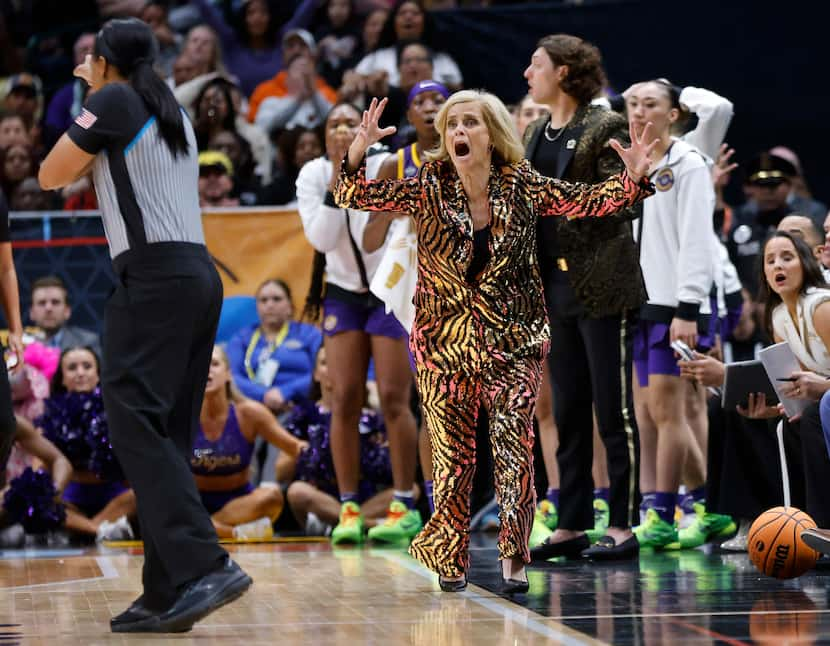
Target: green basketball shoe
[(704, 528), (350, 527), (655, 532), (401, 524)]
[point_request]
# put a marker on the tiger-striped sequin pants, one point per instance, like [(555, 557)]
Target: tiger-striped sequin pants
[(450, 404)]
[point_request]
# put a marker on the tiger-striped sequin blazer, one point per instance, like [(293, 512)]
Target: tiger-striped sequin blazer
[(462, 326)]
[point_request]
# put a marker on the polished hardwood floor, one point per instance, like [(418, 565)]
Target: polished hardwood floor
[(307, 593)]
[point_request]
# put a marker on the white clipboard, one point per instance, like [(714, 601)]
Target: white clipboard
[(780, 362)]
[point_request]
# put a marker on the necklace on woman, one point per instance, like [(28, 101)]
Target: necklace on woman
[(558, 132)]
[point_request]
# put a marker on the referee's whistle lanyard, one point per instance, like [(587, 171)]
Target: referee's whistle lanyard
[(267, 367)]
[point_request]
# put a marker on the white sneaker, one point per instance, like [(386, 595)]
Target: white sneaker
[(118, 530), (738, 543), (258, 529), (316, 527)]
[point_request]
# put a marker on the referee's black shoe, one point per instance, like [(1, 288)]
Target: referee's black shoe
[(196, 601), (136, 618)]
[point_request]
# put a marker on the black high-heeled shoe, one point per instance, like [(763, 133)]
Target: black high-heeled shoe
[(514, 586), (452, 585)]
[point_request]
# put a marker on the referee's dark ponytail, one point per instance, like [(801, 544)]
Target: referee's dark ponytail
[(130, 45)]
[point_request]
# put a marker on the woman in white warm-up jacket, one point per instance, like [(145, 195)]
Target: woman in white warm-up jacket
[(355, 328), (677, 254)]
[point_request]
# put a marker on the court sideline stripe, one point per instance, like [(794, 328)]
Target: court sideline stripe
[(539, 627)]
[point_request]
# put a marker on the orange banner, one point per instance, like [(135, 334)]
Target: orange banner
[(250, 245)]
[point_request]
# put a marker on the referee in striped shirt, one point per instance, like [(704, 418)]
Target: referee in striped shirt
[(160, 322)]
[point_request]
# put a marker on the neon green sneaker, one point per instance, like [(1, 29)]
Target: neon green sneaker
[(401, 524), (350, 527), (546, 514), (539, 532), (655, 532), (704, 528), (602, 515)]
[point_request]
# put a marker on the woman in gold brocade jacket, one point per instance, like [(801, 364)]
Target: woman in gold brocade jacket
[(480, 330)]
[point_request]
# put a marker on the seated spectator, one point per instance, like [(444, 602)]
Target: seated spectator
[(185, 68), (215, 180), (50, 310), (17, 162), (272, 362), (216, 108), (246, 183), (28, 196), (408, 21), (221, 456), (97, 499), (353, 83), (25, 97), (252, 45), (155, 14), (296, 147), (296, 96), (338, 37), (13, 131), (800, 198), (313, 495), (203, 47), (67, 102), (20, 495)]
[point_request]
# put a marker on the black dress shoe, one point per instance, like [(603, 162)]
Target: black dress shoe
[(514, 586), (201, 597), (136, 618), (606, 549), (571, 548), (451, 585)]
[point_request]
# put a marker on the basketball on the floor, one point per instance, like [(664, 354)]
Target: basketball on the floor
[(775, 544)]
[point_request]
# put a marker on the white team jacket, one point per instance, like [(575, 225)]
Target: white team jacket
[(676, 238), (325, 225)]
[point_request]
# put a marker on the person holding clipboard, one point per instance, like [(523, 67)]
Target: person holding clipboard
[(160, 322), (797, 311)]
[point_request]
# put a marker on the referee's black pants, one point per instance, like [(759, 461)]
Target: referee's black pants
[(590, 367), (160, 326), (8, 425)]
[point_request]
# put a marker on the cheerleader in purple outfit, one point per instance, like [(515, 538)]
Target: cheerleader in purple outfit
[(98, 500)]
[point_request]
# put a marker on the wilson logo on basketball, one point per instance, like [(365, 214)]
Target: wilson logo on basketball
[(780, 560)]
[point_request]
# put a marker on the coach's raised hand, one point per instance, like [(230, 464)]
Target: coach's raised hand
[(369, 132)]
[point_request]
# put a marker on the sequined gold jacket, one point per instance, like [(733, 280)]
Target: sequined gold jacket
[(462, 326), (602, 259)]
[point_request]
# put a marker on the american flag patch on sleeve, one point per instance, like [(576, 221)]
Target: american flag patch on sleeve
[(86, 119)]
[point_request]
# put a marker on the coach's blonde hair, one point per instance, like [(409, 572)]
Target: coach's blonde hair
[(506, 145)]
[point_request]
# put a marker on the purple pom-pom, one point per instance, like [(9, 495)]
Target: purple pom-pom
[(31, 501), (77, 424)]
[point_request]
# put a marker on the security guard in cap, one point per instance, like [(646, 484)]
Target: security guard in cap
[(768, 182)]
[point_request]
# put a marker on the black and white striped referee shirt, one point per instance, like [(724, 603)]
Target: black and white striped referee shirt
[(144, 193)]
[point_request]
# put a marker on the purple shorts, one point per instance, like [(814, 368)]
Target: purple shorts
[(340, 316), (652, 353), (215, 500), (92, 498)]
